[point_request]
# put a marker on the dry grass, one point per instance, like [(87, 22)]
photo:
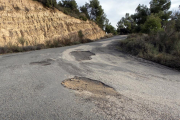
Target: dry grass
[(23, 45)]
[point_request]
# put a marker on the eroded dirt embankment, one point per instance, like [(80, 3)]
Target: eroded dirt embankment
[(36, 24)]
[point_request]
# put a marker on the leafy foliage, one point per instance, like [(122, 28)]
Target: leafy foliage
[(142, 12), (68, 4), (126, 22), (84, 9), (110, 29), (161, 8), (70, 7), (162, 43), (48, 3), (152, 24), (147, 19), (162, 47), (80, 34), (176, 17), (94, 11)]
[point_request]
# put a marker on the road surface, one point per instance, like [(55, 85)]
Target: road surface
[(31, 85)]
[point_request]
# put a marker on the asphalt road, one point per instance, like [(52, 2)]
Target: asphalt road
[(30, 85)]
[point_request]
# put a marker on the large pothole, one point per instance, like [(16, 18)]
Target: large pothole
[(86, 84), (113, 105), (82, 55)]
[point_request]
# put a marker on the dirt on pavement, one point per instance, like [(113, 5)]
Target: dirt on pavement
[(86, 84)]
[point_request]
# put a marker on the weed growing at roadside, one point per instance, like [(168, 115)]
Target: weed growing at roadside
[(21, 41)]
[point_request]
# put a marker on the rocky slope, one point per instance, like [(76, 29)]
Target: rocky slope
[(36, 24)]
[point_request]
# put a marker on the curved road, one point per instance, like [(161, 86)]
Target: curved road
[(30, 85)]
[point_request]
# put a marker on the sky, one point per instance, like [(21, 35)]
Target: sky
[(116, 9)]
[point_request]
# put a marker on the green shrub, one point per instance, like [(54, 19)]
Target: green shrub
[(152, 24), (162, 47), (110, 29), (66, 12), (80, 34), (48, 3), (82, 17)]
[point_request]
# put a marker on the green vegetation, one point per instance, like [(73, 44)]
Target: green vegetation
[(126, 23), (48, 3), (80, 34), (69, 7), (110, 29), (158, 11), (156, 33), (152, 24), (161, 48), (93, 11)]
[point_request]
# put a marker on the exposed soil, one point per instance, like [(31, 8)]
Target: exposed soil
[(82, 55), (86, 84)]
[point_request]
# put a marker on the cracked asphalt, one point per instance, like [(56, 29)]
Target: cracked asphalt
[(30, 85)]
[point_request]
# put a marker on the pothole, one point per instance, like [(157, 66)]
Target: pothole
[(82, 55), (112, 104), (86, 84), (42, 63)]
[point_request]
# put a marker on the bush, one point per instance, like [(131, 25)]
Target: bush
[(110, 29), (48, 3), (152, 24), (66, 12), (82, 17), (80, 34), (161, 47)]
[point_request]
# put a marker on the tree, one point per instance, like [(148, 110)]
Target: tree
[(84, 9), (48, 3), (141, 14), (70, 7), (94, 11), (152, 24), (161, 8), (140, 17), (176, 17), (110, 29), (126, 23), (177, 24), (68, 4)]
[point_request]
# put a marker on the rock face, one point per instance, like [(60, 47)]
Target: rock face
[(36, 24)]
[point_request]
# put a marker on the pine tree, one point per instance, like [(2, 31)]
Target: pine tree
[(161, 8)]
